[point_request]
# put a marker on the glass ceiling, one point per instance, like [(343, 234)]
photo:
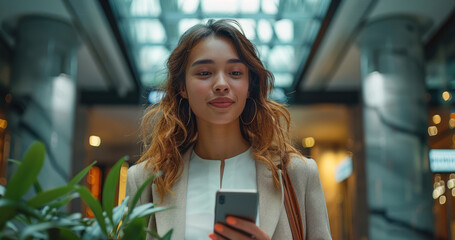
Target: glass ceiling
[(282, 30)]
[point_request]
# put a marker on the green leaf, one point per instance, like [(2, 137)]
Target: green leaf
[(135, 229), (118, 212), (168, 235), (94, 232), (44, 198), (62, 202), (12, 226), (33, 230), (2, 190), (36, 184), (81, 174), (145, 210), (139, 192), (110, 187), (64, 234), (14, 161), (10, 208), (94, 205), (153, 233), (27, 172)]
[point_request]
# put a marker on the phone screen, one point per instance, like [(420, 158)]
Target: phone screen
[(237, 203)]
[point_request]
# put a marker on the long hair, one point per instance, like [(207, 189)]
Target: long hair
[(169, 127)]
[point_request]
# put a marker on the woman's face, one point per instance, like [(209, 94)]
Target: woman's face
[(216, 81)]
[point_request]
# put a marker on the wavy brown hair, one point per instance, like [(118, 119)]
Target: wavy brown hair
[(169, 127)]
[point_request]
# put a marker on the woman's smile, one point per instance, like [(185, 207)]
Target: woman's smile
[(221, 102)]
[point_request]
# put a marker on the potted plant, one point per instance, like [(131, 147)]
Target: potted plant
[(41, 217)]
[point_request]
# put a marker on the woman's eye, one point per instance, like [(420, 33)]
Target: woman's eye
[(236, 73), (203, 73)]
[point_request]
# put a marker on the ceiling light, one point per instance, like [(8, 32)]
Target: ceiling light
[(94, 141)]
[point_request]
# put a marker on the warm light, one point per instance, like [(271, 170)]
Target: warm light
[(452, 123), (437, 178), (94, 185), (432, 130), (451, 183), (452, 115), (453, 192), (437, 119), (308, 142), (95, 141), (3, 123), (122, 182), (442, 200), (446, 96)]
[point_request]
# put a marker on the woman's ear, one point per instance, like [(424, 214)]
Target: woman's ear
[(183, 93)]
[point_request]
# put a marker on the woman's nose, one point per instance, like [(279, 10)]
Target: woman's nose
[(221, 84)]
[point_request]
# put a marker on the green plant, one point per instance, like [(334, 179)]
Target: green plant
[(41, 217)]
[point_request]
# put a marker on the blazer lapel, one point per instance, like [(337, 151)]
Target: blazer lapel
[(174, 218), (270, 204)]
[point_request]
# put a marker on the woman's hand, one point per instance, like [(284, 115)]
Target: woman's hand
[(229, 231)]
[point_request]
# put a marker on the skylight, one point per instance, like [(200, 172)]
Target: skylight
[(283, 31)]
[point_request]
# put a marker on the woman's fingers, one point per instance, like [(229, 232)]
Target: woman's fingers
[(238, 229), (247, 226), (215, 236), (226, 232)]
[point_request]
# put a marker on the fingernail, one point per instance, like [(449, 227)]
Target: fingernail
[(212, 236), (219, 228), (231, 220)]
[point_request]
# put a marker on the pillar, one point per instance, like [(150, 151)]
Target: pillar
[(43, 88), (398, 178)]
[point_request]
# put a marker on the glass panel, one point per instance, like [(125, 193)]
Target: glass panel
[(281, 58), (186, 24), (283, 79), (249, 6), (265, 31), (225, 6), (270, 6), (153, 79), (249, 27), (285, 30), (263, 51), (148, 31), (188, 6), (145, 8), (153, 58)]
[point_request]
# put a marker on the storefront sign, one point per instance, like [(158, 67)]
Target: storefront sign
[(442, 160)]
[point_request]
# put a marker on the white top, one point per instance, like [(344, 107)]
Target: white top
[(204, 181)]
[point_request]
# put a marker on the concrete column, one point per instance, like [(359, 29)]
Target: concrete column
[(395, 124), (44, 92)]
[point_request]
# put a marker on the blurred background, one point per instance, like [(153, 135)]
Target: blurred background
[(368, 83)]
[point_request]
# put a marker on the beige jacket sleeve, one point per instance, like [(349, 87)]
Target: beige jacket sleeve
[(307, 185)]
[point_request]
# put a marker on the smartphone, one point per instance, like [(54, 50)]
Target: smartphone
[(237, 203)]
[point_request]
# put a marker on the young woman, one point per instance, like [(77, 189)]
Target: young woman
[(216, 128)]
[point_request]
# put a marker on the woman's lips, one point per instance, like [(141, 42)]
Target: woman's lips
[(222, 102)]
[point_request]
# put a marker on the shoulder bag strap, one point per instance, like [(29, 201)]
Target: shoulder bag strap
[(292, 207)]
